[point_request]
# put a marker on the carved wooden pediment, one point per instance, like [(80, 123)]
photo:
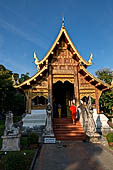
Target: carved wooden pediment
[(40, 94)]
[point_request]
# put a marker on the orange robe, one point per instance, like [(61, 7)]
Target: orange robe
[(73, 110)]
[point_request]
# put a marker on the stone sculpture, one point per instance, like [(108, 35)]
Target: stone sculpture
[(49, 129), (11, 138), (91, 127), (10, 129)]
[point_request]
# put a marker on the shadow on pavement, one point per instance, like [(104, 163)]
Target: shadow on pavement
[(70, 156)]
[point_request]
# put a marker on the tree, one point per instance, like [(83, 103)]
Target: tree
[(105, 74), (24, 77), (10, 98), (106, 99)]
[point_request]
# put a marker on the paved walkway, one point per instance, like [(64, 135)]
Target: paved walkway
[(74, 156)]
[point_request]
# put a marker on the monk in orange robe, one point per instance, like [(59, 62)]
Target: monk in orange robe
[(74, 112)]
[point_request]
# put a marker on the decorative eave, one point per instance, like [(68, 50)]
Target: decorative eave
[(74, 50), (33, 78), (101, 85)]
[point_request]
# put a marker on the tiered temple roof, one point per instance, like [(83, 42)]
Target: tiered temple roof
[(42, 65)]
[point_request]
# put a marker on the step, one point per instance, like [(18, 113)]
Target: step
[(65, 130), (69, 131), (66, 123), (70, 134), (66, 127), (70, 139)]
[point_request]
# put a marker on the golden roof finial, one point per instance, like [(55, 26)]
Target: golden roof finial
[(63, 21)]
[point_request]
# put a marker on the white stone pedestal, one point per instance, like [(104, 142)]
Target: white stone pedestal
[(11, 143), (101, 122), (95, 138)]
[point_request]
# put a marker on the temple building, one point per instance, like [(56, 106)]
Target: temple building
[(61, 77)]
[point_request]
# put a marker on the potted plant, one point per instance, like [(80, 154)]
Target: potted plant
[(110, 139)]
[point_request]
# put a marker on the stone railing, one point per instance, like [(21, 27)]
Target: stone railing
[(87, 121)]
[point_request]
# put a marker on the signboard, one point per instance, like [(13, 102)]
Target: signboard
[(49, 140)]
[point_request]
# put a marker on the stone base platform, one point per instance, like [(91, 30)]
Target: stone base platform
[(11, 143)]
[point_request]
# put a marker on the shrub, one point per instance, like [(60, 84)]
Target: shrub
[(109, 137), (23, 142), (32, 139)]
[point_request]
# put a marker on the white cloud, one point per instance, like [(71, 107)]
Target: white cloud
[(41, 42)]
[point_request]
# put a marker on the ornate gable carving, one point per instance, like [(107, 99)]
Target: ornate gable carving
[(63, 60)]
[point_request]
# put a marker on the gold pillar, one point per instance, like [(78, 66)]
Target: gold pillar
[(50, 82), (97, 100), (76, 86)]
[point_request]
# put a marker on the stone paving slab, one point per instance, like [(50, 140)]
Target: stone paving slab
[(74, 156)]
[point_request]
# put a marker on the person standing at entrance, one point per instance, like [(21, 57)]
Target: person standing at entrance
[(74, 112), (59, 110)]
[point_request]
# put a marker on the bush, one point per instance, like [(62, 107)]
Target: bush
[(109, 137), (32, 139), (23, 142)]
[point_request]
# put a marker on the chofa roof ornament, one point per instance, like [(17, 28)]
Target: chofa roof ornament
[(90, 59), (36, 61)]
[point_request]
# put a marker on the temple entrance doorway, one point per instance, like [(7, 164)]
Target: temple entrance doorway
[(63, 94)]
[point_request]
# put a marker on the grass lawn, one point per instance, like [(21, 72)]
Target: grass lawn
[(20, 160)]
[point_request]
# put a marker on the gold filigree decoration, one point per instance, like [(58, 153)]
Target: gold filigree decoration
[(63, 80), (39, 95), (87, 94)]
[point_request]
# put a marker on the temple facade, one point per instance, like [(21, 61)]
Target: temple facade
[(61, 77)]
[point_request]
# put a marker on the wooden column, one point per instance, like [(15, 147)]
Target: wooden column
[(97, 100), (76, 86), (28, 94), (50, 82)]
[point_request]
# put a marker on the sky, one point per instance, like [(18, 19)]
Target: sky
[(33, 25)]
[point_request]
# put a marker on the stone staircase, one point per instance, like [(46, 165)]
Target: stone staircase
[(65, 130)]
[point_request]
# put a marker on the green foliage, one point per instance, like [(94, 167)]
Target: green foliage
[(17, 160), (2, 126), (24, 77), (105, 75), (109, 137), (106, 99), (24, 142), (17, 118), (10, 98), (32, 138)]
